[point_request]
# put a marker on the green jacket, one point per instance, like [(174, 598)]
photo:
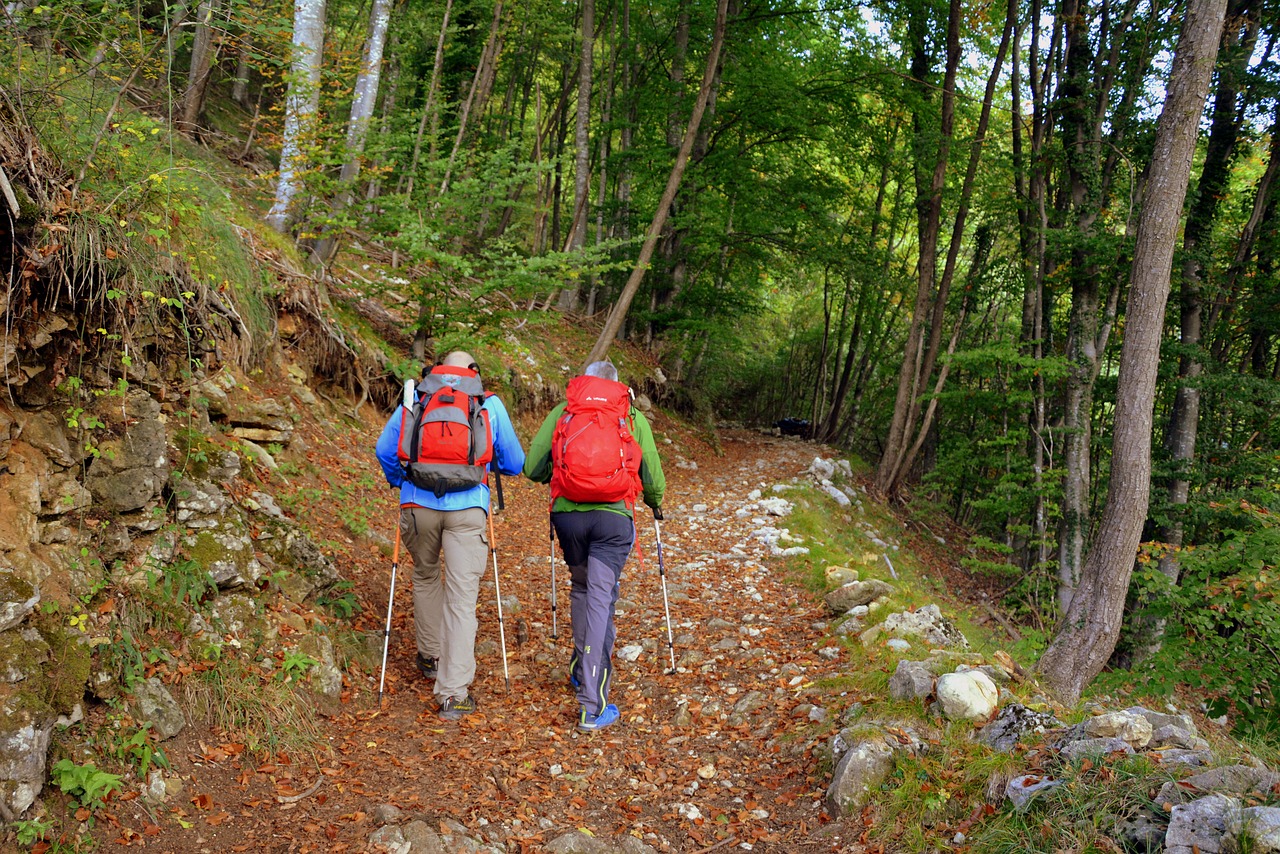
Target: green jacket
[(537, 464)]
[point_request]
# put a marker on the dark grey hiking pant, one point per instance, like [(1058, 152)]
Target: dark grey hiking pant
[(596, 544)]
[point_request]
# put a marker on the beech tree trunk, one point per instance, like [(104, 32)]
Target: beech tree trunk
[(363, 100), (1087, 634), (201, 59), (619, 312), (301, 103)]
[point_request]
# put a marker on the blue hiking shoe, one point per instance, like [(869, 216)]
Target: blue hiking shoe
[(591, 723)]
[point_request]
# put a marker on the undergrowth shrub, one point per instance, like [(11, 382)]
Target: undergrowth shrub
[(1223, 620)]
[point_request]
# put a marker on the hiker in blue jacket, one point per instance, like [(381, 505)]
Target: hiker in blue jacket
[(452, 523)]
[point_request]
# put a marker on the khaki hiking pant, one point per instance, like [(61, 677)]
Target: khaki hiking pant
[(444, 599)]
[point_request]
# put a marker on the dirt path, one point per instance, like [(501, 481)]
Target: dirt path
[(719, 754)]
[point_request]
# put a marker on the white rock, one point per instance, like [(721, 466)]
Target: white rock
[(630, 652), (967, 696)]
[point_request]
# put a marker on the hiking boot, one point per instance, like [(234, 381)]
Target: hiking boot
[(428, 667), (453, 708), (591, 723)]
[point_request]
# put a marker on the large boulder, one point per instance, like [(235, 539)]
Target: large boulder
[(1132, 728), (970, 695)]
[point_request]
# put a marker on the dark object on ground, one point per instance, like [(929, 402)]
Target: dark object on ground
[(793, 426)]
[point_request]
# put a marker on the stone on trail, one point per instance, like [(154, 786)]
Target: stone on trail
[(1134, 729), (855, 593), (1095, 748), (967, 696), (866, 755), (577, 842), (152, 703), (911, 680), (1198, 827), (1232, 779)]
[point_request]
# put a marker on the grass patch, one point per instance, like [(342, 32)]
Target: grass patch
[(267, 714)]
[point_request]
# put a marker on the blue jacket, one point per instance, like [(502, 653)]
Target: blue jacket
[(507, 454)]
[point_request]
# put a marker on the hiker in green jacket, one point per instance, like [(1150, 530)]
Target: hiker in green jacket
[(597, 452)]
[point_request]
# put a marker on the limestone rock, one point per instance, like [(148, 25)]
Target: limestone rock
[(1013, 724), (866, 755), (18, 598), (911, 680), (928, 624), (856, 593), (967, 696), (577, 842), (1020, 790), (1198, 827), (62, 493), (24, 749), (1095, 747), (152, 703), (1134, 729), (259, 420), (1230, 779), (1255, 829)]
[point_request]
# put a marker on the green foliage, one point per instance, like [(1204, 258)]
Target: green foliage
[(28, 832), (138, 751), (295, 665), (341, 600), (88, 785), (1223, 619)]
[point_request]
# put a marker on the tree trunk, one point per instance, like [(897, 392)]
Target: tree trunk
[(201, 59), (569, 297), (476, 94), (1088, 632), (1184, 419), (429, 111), (928, 227), (301, 103), (363, 100), (619, 312)]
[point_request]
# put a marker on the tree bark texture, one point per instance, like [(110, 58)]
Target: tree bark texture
[(1087, 634), (201, 60), (301, 103), (363, 100)]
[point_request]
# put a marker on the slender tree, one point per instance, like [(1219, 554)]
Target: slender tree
[(363, 101), (619, 312), (301, 103), (1087, 634)]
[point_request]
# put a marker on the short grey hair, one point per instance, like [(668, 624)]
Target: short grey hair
[(604, 370)]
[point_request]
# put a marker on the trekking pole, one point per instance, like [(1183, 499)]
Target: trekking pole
[(552, 529), (502, 632), (666, 605), (386, 632)]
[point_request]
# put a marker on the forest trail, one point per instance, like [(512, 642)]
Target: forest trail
[(717, 754)]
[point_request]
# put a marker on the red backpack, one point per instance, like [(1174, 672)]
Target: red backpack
[(445, 439), (595, 458)]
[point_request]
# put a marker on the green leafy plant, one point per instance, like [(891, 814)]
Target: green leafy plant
[(86, 783), (31, 831), (295, 665), (340, 600), (138, 751)]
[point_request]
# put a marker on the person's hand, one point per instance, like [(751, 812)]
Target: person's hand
[(657, 513)]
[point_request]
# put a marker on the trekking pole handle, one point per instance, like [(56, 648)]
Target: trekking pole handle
[(409, 387), (502, 504)]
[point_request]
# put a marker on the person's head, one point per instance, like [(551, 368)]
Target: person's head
[(460, 359), (604, 370)]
